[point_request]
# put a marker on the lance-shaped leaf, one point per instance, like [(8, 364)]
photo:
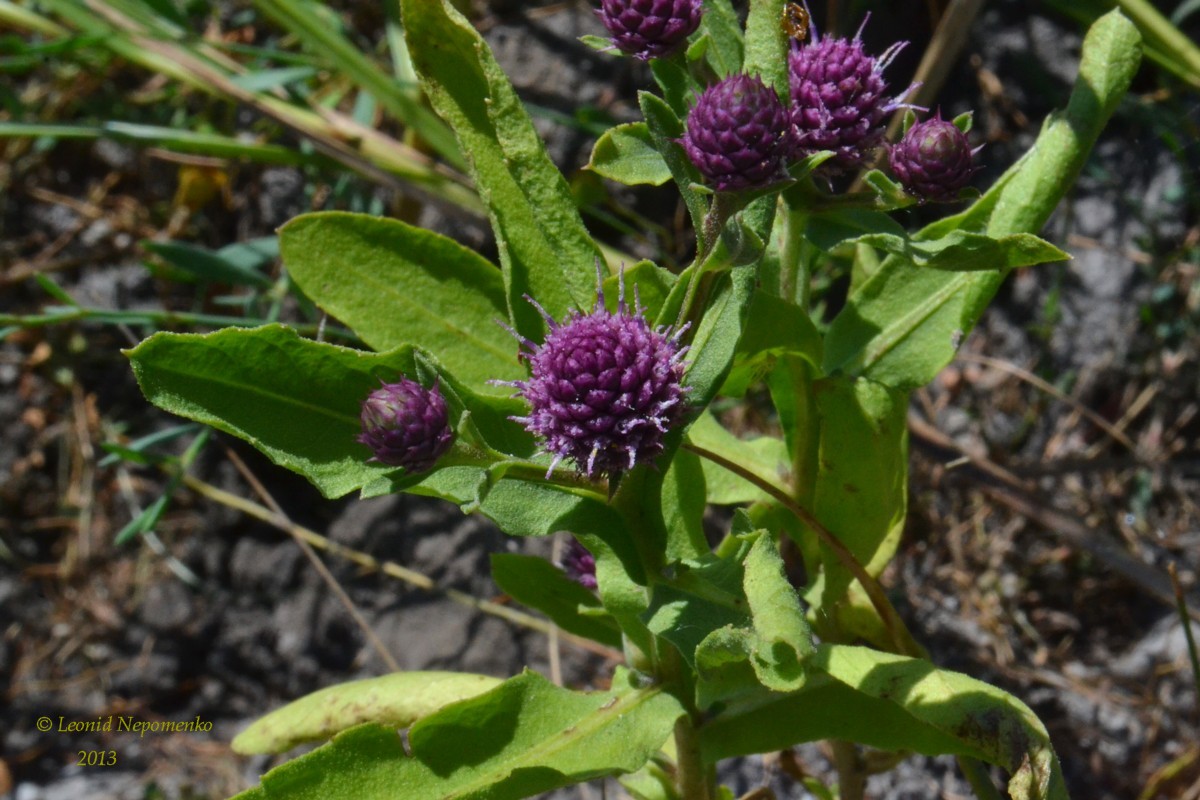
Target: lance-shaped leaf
[(298, 401), (394, 284), (545, 251), (903, 325), (396, 701), (894, 703), (961, 251), (720, 23), (521, 739), (715, 341)]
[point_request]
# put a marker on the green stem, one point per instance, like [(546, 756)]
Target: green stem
[(796, 258), (694, 779), (976, 775)]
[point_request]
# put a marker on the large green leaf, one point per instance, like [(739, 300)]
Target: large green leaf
[(720, 23), (894, 703), (861, 491), (767, 45), (539, 584), (298, 401), (545, 251), (523, 738), (396, 700), (903, 325), (395, 284)]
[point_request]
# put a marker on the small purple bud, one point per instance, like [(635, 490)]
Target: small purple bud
[(839, 101), (405, 425), (737, 134), (580, 565), (604, 389), (934, 160), (650, 28)]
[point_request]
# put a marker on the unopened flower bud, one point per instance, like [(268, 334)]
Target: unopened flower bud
[(650, 28), (934, 160), (406, 425), (737, 134)]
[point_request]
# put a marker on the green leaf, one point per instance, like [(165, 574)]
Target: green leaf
[(782, 638), (395, 701), (205, 264), (263, 80), (545, 251), (961, 251), (395, 284), (296, 400), (861, 492), (644, 282), (720, 23), (779, 328), (518, 740), (767, 45), (676, 84), (716, 338), (903, 325), (665, 129), (537, 583), (627, 154), (764, 456), (894, 703), (683, 502)]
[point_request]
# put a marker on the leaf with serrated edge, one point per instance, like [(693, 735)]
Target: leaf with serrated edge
[(397, 700)]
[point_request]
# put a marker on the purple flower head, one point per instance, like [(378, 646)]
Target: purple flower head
[(405, 425), (579, 564), (737, 134), (934, 160), (650, 28), (839, 100), (604, 388)]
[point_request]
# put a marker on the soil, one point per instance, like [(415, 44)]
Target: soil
[(220, 617)]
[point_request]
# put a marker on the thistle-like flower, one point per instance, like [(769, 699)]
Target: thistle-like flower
[(406, 425), (650, 28), (604, 388), (737, 134), (839, 100), (579, 564), (934, 160)]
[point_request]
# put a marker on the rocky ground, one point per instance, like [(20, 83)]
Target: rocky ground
[(1039, 566)]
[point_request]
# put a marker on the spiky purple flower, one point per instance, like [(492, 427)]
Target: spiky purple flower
[(839, 100), (650, 28), (934, 160), (604, 388), (579, 564), (406, 425), (737, 134)]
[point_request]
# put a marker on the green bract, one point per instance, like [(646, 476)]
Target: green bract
[(726, 657)]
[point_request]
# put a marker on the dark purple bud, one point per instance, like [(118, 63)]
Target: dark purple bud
[(604, 389), (839, 100), (737, 134), (650, 28), (405, 425), (580, 565), (934, 160)]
